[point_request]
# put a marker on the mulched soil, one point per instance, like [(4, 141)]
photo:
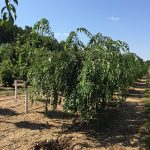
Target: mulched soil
[(119, 129)]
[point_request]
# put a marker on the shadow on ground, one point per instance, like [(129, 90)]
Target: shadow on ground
[(146, 139), (7, 112), (147, 124), (135, 93), (140, 83), (115, 126), (58, 115), (33, 126)]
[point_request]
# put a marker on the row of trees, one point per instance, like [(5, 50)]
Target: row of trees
[(89, 76)]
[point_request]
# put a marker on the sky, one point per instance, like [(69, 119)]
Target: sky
[(125, 20)]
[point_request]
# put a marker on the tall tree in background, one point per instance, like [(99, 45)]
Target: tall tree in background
[(9, 35)]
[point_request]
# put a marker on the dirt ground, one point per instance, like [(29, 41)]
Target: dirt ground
[(123, 130)]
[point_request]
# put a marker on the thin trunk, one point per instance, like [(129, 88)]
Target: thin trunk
[(55, 99), (46, 106), (26, 98)]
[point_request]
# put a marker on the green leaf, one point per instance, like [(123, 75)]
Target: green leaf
[(15, 15), (16, 1), (13, 8), (5, 16), (8, 6), (2, 23), (11, 19), (3, 9), (7, 2)]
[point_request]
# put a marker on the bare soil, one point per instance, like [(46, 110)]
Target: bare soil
[(120, 129)]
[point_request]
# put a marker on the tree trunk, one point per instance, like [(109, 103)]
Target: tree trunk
[(46, 106), (55, 99)]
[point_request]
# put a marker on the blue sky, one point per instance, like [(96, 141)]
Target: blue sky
[(126, 20)]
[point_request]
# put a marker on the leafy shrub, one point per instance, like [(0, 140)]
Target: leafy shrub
[(6, 74)]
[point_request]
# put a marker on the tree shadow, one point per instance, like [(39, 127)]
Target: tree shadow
[(139, 84), (114, 126), (7, 112), (135, 93), (19, 86), (33, 126), (146, 138), (137, 89), (58, 115)]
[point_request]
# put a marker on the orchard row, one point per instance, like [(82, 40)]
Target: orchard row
[(89, 76)]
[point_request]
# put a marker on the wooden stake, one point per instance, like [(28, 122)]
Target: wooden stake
[(26, 99), (15, 90)]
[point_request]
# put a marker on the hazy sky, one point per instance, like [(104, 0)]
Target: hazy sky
[(126, 20)]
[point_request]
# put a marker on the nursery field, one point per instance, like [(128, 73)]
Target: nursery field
[(74, 89), (118, 129)]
